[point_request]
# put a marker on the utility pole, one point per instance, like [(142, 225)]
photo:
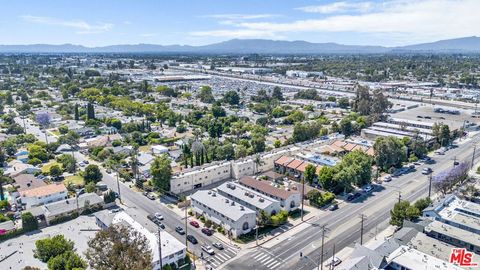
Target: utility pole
[(186, 225), (118, 187), (399, 196), (473, 155), (430, 186), (454, 160), (160, 247), (323, 242), (333, 265), (303, 194), (362, 217)]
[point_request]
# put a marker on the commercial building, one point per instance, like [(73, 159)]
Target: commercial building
[(249, 198), (235, 218), (43, 194), (172, 250), (289, 199)]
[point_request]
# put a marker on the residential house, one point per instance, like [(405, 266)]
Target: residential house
[(43, 194)]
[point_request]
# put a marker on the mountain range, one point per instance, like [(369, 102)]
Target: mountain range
[(260, 46)]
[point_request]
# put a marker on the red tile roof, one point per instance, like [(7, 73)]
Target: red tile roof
[(283, 160), (266, 187), (294, 164)]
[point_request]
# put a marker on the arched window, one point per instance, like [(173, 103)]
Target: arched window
[(245, 226)]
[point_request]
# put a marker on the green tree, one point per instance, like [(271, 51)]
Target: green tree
[(161, 171), (206, 94), (63, 129), (92, 174), (55, 171), (403, 211), (48, 248), (29, 222), (277, 93), (231, 97), (422, 203), (310, 173), (277, 143), (67, 261), (67, 161), (389, 152), (325, 177), (346, 127), (90, 187), (120, 248), (76, 113)]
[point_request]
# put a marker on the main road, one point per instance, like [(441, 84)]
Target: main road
[(343, 225)]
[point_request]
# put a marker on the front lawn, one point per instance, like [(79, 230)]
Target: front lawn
[(77, 180), (46, 167)]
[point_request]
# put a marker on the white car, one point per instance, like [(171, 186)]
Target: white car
[(334, 262), (158, 216), (368, 188), (387, 178), (208, 249)]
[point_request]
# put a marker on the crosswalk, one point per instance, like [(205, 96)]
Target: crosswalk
[(221, 256), (267, 260)]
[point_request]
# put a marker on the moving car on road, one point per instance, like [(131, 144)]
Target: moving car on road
[(159, 216), (208, 249), (218, 245), (427, 171), (192, 239), (180, 230), (334, 262)]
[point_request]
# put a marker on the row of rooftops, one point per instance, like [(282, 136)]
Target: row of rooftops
[(247, 195), (221, 204)]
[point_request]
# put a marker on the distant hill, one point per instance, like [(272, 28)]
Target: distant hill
[(466, 44), (261, 46)]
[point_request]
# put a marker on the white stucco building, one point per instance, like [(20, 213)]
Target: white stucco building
[(235, 218), (43, 195)]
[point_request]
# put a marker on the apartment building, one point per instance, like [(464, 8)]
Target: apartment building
[(289, 199), (235, 218), (43, 195), (249, 198)]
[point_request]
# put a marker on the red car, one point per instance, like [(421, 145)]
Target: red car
[(194, 224), (207, 231)]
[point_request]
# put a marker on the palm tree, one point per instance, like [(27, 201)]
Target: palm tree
[(258, 162)]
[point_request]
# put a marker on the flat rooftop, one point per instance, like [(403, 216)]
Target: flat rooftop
[(221, 204), (247, 195), (414, 259), (462, 212), (453, 121), (454, 232)]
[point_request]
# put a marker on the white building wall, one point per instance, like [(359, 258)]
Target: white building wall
[(235, 227), (35, 201), (183, 182)]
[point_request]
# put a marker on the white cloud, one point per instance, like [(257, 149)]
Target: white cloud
[(338, 7), (148, 34), (240, 17), (402, 21), (82, 27), (240, 33)]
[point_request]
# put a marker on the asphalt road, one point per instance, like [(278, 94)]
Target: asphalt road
[(344, 224)]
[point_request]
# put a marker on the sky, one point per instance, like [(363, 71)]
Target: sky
[(199, 22)]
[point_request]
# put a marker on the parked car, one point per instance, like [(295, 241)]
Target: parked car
[(350, 197), (218, 245), (208, 249), (159, 216), (180, 230), (145, 193), (86, 161), (455, 163), (333, 207), (357, 195), (368, 189), (194, 224), (192, 239), (387, 178), (150, 196), (207, 231)]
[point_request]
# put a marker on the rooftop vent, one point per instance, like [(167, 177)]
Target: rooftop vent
[(209, 192), (227, 201), (242, 208), (261, 199), (233, 203)]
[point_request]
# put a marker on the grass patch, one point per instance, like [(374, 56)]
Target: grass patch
[(249, 237), (77, 180), (297, 214), (55, 132), (46, 167)]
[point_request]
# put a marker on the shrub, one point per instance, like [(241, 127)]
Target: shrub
[(208, 223), (221, 230), (29, 222)]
